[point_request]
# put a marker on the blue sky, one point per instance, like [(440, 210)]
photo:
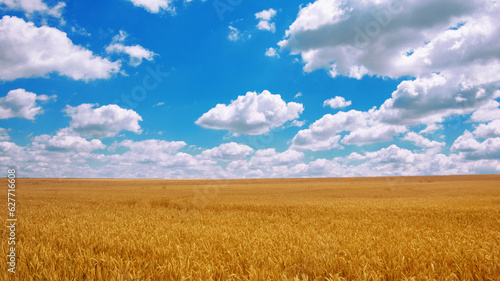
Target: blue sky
[(242, 89)]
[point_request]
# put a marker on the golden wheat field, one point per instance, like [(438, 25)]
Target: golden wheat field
[(412, 228)]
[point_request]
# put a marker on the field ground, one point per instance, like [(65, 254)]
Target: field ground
[(413, 228)]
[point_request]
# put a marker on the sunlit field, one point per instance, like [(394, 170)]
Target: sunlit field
[(416, 228)]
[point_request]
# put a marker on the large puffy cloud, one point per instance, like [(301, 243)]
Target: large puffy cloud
[(104, 121), (373, 134), (487, 112), (154, 6), (21, 103), (428, 100), (448, 48), (322, 134), (137, 53), (395, 38), (30, 51), (228, 152), (472, 149), (252, 114), (489, 130), (362, 127)]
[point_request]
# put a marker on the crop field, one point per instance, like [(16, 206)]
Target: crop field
[(411, 228)]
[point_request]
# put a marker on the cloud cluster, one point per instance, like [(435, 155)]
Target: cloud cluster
[(29, 51), (102, 122), (396, 38), (228, 152), (265, 18), (21, 104), (252, 114), (67, 141)]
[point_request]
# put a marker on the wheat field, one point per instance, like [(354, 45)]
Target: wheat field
[(411, 228)]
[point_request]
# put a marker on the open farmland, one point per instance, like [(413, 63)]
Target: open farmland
[(414, 228)]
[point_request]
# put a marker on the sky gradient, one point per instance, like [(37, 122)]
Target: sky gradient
[(246, 89)]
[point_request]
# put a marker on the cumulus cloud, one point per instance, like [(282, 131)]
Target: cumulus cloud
[(337, 102), (154, 6), (136, 53), (423, 142), (228, 152), (356, 38), (428, 100), (22, 104), (487, 112), (489, 130), (373, 134), (271, 52), (252, 114), (65, 140), (29, 51), (102, 122), (322, 134), (31, 6), (472, 149), (265, 18)]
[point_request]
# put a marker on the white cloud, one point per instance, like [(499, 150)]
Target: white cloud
[(395, 39), (489, 130), (421, 141), (337, 102), (466, 142), (252, 114), (137, 53), (471, 149), (427, 100), (65, 140), (159, 104), (22, 104), (102, 122), (228, 152), (271, 52), (391, 154), (487, 112), (234, 33), (265, 163), (30, 51), (4, 136), (31, 6), (373, 134), (299, 94), (264, 18), (322, 134), (154, 6)]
